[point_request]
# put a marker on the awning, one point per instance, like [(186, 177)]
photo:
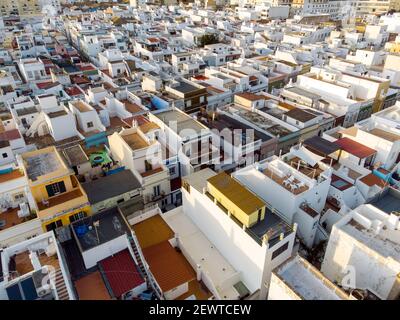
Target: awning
[(356, 149), (307, 156), (321, 145)]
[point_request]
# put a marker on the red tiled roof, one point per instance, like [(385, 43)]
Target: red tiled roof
[(44, 85), (153, 39), (73, 91), (249, 96), (10, 135), (121, 272), (200, 77), (372, 179), (80, 79), (86, 68), (353, 147)]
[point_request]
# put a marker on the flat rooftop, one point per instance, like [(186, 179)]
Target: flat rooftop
[(152, 231), (307, 282), (388, 201), (75, 155), (271, 226), (198, 180), (92, 287), (303, 92), (185, 87), (376, 242), (223, 121), (135, 141), (10, 219), (111, 186), (179, 121), (301, 115), (41, 164), (390, 136), (111, 225), (81, 106)]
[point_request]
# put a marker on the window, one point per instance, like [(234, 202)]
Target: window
[(202, 99), (55, 188), (172, 171), (121, 200), (5, 155), (54, 225), (19, 196), (90, 124), (77, 216), (156, 191), (280, 250), (188, 103)]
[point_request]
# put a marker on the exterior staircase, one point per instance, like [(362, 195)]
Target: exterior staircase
[(151, 282), (61, 288)]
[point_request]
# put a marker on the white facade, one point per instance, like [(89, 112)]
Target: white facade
[(362, 252), (252, 260)]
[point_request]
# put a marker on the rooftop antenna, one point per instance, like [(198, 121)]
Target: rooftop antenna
[(96, 224)]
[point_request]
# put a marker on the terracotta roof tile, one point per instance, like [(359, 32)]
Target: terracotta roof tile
[(353, 147), (121, 272), (169, 267), (372, 179)]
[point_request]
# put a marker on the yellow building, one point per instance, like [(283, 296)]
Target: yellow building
[(59, 197), (236, 199), (20, 7), (393, 46)]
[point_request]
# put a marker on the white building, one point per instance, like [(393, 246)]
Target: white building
[(35, 269), (187, 138), (297, 279), (143, 156), (32, 69), (363, 252), (253, 252), (304, 188)]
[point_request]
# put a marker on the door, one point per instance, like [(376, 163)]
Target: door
[(55, 188)]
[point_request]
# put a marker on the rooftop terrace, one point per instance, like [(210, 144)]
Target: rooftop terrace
[(41, 164), (110, 225), (135, 141)]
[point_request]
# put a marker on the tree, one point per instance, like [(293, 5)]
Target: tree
[(208, 39)]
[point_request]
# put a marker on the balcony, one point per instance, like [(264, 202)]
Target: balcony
[(62, 203)]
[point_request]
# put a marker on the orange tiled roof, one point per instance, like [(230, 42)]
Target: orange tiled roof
[(15, 174), (372, 179), (169, 267)]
